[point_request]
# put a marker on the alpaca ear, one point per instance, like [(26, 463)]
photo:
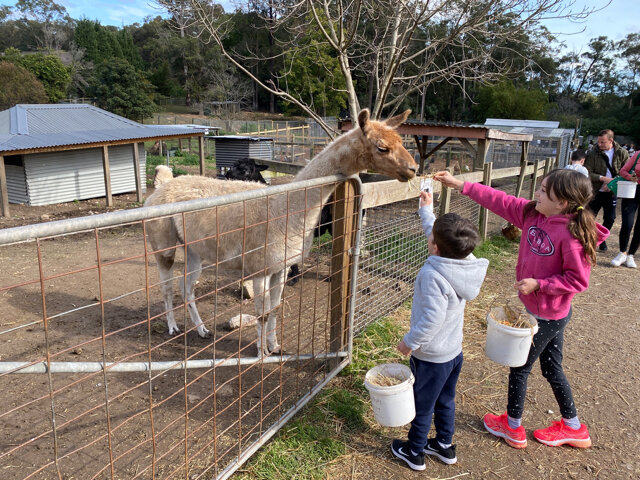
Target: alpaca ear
[(363, 119), (395, 122)]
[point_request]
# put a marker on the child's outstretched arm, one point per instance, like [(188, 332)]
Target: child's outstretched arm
[(426, 212), (507, 206)]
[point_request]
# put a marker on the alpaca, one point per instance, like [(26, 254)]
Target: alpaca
[(163, 174), (260, 239), (246, 169)]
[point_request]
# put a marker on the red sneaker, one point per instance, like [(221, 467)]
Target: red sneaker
[(499, 426), (559, 434)]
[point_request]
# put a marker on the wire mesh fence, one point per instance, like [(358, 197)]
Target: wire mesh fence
[(114, 395)]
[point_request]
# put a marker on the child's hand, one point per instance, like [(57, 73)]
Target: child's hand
[(527, 286), (449, 180), (403, 349), (426, 198)]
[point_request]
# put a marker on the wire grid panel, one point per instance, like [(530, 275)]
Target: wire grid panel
[(74, 300)]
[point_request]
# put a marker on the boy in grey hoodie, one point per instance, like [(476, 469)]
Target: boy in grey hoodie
[(450, 276)]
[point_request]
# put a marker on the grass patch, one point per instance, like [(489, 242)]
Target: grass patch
[(499, 251), (323, 429)]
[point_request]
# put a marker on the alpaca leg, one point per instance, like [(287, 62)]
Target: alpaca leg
[(194, 269), (262, 307), (165, 270), (276, 285)]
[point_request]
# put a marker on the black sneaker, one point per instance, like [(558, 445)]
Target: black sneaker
[(603, 247), (401, 450), (447, 455)]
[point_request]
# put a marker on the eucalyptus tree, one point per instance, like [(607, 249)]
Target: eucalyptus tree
[(398, 44)]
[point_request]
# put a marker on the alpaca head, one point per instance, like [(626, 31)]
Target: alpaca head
[(384, 152)]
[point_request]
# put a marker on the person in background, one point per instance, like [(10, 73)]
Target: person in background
[(557, 250), (603, 163), (629, 171), (450, 276), (577, 162)]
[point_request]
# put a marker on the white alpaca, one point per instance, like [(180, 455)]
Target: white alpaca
[(162, 175), (239, 238)]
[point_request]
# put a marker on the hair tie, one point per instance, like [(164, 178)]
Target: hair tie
[(579, 208)]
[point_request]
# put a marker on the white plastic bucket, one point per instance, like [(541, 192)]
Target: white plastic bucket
[(392, 406), (508, 345), (626, 189)]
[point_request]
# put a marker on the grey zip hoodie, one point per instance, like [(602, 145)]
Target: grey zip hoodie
[(441, 291)]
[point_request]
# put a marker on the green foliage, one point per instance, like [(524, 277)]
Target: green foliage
[(122, 90), (47, 68), (18, 85), (504, 100)]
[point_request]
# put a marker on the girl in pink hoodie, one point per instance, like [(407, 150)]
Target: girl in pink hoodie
[(557, 250)]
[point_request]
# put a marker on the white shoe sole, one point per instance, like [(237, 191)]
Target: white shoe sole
[(448, 461), (574, 442), (413, 466), (514, 443)]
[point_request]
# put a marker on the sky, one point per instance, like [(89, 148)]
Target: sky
[(616, 19)]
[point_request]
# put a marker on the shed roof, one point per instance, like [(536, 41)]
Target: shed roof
[(28, 128), (538, 128)]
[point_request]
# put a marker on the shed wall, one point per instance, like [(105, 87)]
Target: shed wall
[(58, 177)]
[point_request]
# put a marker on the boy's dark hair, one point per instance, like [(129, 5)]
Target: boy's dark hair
[(577, 155), (455, 236)]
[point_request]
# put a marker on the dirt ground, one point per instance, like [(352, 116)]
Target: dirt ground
[(600, 361)]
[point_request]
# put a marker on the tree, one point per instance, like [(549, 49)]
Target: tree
[(47, 68), (47, 19), (504, 100), (19, 85), (629, 53), (121, 89), (410, 38)]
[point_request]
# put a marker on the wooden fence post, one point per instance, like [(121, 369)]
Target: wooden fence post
[(484, 213), (201, 153), (136, 170), (534, 179), (345, 216), (4, 195), (445, 200), (107, 175)]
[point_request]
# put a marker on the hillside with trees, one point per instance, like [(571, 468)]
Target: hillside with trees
[(462, 61)]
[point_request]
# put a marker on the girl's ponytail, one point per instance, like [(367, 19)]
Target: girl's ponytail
[(575, 188)]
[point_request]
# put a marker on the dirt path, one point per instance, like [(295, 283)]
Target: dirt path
[(601, 362)]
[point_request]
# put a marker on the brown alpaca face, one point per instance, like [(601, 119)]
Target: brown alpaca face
[(385, 153)]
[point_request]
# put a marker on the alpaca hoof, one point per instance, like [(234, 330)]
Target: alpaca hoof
[(277, 350), (203, 332), (293, 280), (174, 331)]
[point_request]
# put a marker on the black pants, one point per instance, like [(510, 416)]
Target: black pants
[(606, 201), (628, 208), (547, 345), (434, 394)]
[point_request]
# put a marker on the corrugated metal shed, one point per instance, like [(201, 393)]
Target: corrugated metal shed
[(230, 148), (25, 127)]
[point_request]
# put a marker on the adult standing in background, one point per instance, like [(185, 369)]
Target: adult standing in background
[(629, 171), (603, 164)]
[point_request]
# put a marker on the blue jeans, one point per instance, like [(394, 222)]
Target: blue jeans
[(547, 345), (434, 393)]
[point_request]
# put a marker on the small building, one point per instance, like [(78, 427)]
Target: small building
[(60, 153), (548, 141), (230, 148)]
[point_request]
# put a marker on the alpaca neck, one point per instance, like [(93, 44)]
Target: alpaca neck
[(342, 156)]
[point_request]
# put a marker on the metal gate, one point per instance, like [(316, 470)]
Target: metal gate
[(111, 394)]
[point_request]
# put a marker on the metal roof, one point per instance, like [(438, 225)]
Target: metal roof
[(506, 122), (26, 127)]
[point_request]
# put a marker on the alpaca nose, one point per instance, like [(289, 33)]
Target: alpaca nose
[(413, 169)]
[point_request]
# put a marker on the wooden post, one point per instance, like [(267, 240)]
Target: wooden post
[(344, 234), (523, 168), (484, 213), (180, 144), (534, 178), (481, 154), (548, 164), (107, 175), (4, 195), (445, 200), (189, 144), (136, 170), (201, 153)]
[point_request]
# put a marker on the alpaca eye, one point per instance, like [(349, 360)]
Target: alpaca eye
[(383, 149)]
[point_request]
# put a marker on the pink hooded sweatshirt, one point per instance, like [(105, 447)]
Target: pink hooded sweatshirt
[(548, 252), (625, 170)]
